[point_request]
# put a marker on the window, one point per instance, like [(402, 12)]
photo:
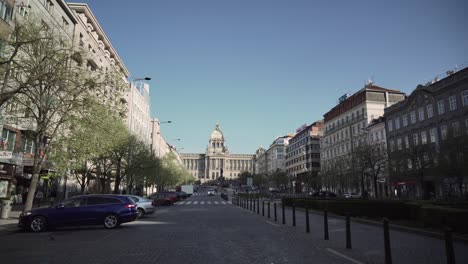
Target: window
[(102, 200), (7, 141), (390, 125), (443, 132), (432, 134), (466, 126), (6, 11), (423, 137), (465, 98), (410, 164), (430, 111), (406, 142), (456, 129), (27, 146), (415, 139), (399, 143), (452, 103), (413, 117), (73, 202), (405, 120), (392, 145), (397, 122), (441, 107), (421, 113)]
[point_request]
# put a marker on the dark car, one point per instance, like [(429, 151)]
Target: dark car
[(182, 195), (163, 198), (323, 194), (108, 210)]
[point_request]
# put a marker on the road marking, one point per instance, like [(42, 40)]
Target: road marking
[(216, 202), (272, 223), (180, 203), (223, 202), (208, 202), (189, 202), (344, 256), (195, 202), (202, 202)]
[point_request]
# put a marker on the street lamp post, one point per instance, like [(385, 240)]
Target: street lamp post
[(159, 133)]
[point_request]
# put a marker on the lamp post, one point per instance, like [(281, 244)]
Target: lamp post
[(159, 133)]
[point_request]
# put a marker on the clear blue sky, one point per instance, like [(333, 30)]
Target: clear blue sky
[(263, 68)]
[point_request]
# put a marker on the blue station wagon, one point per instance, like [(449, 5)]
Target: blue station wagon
[(108, 210)]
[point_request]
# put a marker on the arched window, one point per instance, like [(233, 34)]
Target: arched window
[(217, 144), (217, 174), (213, 144), (212, 175)]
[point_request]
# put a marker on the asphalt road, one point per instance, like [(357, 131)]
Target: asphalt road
[(201, 229)]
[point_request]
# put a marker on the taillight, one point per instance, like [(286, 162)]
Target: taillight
[(130, 206)]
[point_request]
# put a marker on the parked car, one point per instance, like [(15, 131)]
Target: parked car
[(210, 192), (162, 199), (182, 195), (323, 194), (108, 210), (144, 206), (350, 195)]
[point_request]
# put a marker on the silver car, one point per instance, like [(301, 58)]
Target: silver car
[(144, 206)]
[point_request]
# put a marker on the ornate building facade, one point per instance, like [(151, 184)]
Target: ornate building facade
[(217, 161)]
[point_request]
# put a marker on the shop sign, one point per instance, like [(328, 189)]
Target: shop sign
[(6, 154)]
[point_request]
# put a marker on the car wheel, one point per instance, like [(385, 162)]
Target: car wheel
[(141, 213), (38, 224), (111, 221)]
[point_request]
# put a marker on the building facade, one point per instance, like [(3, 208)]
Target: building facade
[(303, 157), (426, 138), (345, 129), (217, 162)]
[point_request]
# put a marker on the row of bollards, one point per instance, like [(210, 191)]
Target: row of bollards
[(254, 204)]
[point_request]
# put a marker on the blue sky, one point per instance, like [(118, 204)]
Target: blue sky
[(263, 68)]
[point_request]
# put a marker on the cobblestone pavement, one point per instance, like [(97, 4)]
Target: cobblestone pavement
[(214, 231), (367, 240)]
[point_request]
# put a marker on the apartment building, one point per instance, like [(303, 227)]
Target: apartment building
[(303, 157), (345, 129), (427, 139)]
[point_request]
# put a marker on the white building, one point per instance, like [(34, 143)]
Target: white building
[(138, 111), (345, 128)]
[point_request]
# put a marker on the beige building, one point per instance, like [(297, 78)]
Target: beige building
[(217, 161), (345, 129)]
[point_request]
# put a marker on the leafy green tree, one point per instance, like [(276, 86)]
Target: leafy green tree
[(96, 133), (56, 88), (279, 178)]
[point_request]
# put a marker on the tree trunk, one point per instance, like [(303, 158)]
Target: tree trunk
[(118, 176), (35, 178)]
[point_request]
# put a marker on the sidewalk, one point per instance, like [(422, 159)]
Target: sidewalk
[(11, 224)]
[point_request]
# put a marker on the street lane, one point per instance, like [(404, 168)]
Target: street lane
[(210, 232)]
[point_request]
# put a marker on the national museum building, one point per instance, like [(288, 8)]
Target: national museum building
[(217, 161)]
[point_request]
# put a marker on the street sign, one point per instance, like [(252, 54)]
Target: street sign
[(6, 154)]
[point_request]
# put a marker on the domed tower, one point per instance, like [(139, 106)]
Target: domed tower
[(216, 143)]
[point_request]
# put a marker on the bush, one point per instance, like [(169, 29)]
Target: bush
[(430, 214), (439, 217), (355, 207)]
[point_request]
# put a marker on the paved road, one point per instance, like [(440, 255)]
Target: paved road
[(201, 229)]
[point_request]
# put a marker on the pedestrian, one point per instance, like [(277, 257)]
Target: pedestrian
[(39, 197)]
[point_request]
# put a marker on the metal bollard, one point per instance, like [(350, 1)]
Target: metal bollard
[(307, 219), (258, 206), (268, 209), (348, 232), (294, 214), (274, 206), (449, 246), (388, 251), (325, 225), (263, 208), (284, 219)]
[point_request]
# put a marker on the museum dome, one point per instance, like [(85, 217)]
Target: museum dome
[(217, 134)]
